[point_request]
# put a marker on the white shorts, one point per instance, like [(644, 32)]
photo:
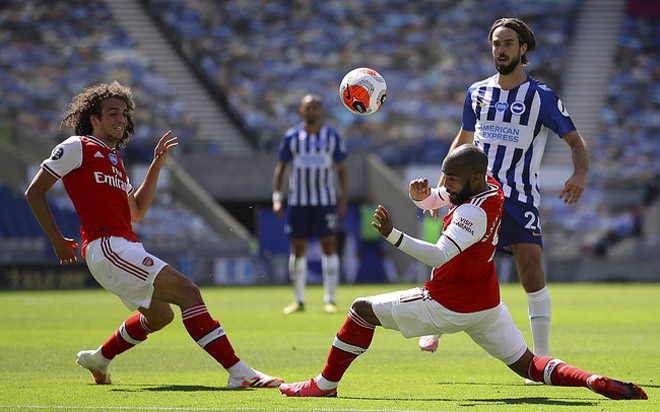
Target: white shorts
[(124, 268), (414, 313)]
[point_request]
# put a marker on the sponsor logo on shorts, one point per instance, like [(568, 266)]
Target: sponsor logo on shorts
[(536, 234), (148, 262)]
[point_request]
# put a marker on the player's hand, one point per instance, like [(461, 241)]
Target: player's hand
[(383, 221), (278, 209), (419, 189), (574, 188), (165, 144), (64, 250)]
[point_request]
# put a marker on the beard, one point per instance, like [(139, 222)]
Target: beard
[(463, 195), (507, 68)]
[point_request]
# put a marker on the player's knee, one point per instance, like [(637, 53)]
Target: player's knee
[(162, 319), (362, 306), (190, 294)]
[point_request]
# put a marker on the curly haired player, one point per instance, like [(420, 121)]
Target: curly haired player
[(95, 179)]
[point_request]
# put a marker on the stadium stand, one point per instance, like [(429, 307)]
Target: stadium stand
[(616, 211), (50, 51), (265, 55)]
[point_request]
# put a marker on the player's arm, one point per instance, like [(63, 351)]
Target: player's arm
[(454, 240), (140, 201), (36, 198), (463, 137), (278, 178), (575, 185), (426, 198), (342, 173)]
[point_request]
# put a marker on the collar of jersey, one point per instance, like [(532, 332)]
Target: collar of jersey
[(98, 141), (493, 82)]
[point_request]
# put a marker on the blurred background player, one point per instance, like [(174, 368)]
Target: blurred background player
[(314, 207), (95, 179), (462, 295), (509, 116)]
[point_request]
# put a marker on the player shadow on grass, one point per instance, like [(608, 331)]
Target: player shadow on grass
[(174, 388), (487, 401)]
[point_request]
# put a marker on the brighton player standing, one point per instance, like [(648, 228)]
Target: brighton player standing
[(462, 295), (96, 181), (509, 116), (315, 151)]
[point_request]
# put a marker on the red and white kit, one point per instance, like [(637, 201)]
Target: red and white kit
[(463, 293), (96, 181)]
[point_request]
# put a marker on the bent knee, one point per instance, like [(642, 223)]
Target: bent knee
[(162, 319), (363, 307)]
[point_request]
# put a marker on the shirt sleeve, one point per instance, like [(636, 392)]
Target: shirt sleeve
[(467, 226), (284, 151), (554, 114), (64, 158), (469, 118), (340, 152)]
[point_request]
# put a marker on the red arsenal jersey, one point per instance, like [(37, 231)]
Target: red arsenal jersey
[(468, 283), (96, 181)]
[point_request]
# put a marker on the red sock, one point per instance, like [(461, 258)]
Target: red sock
[(133, 331), (553, 371), (352, 340), (208, 334)]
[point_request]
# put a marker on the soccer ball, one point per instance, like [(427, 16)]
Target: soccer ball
[(363, 91)]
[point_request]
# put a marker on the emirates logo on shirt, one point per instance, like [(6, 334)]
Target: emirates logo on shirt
[(148, 262)]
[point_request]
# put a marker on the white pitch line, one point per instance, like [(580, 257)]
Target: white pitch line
[(157, 408)]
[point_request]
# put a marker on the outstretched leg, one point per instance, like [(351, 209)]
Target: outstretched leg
[(553, 371), (351, 341), (133, 331), (171, 286)]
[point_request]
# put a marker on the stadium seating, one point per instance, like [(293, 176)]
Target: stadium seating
[(50, 51), (265, 56)]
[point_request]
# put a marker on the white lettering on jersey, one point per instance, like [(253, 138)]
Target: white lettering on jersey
[(113, 181)]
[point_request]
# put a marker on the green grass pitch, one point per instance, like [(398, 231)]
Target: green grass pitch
[(611, 329)]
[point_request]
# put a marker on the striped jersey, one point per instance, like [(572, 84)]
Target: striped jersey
[(313, 156), (512, 126)]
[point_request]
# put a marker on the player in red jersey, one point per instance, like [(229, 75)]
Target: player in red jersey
[(95, 179), (462, 295)]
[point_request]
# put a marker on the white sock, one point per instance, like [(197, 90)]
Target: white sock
[(324, 384), (539, 320), (240, 369), (298, 273), (330, 269), (98, 356)]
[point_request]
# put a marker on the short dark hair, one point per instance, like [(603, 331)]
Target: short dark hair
[(90, 101), (470, 158), (525, 34)]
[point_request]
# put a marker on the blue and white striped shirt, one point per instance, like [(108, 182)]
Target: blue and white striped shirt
[(511, 126), (311, 180)]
